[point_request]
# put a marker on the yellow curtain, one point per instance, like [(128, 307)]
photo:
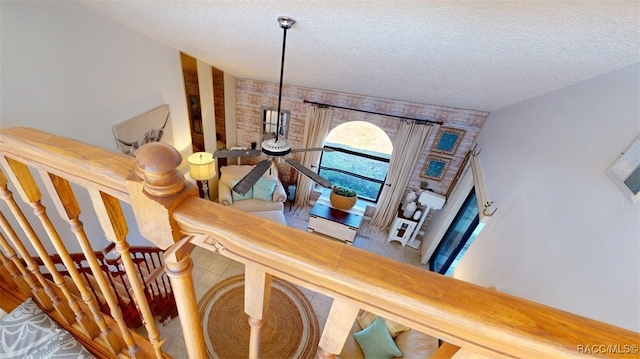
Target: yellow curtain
[(316, 129)]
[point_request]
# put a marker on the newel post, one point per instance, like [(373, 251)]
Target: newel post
[(156, 189)]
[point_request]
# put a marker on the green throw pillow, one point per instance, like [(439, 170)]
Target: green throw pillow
[(263, 189), (238, 196), (376, 342)]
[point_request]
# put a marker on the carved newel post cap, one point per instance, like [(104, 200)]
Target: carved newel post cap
[(157, 164)]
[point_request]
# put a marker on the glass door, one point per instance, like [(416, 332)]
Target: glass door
[(458, 237)]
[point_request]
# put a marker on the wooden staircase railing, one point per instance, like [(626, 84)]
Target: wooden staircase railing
[(150, 267), (169, 214), (40, 160)]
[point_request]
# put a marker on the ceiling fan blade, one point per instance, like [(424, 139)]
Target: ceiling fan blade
[(325, 149), (309, 173), (237, 153), (252, 177)]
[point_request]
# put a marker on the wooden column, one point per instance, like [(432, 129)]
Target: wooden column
[(257, 293), (337, 328), (156, 189)]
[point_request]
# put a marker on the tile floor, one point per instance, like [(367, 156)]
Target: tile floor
[(210, 268)]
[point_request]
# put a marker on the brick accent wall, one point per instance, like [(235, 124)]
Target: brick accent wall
[(191, 83), (218, 103), (252, 96), (195, 117)]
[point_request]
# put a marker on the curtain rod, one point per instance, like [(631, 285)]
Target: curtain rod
[(374, 113)]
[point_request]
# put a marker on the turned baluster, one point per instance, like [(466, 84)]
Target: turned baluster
[(151, 268), (115, 228), (26, 276), (257, 293), (30, 193), (15, 273), (93, 290), (337, 328), (156, 189), (166, 283), (122, 247), (40, 289), (147, 287), (163, 287), (61, 307), (67, 205)]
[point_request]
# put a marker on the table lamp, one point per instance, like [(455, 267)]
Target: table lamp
[(202, 167)]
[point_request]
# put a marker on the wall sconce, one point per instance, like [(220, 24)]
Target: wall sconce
[(202, 167)]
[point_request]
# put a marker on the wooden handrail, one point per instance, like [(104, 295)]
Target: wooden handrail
[(460, 313), (89, 166), (472, 317)]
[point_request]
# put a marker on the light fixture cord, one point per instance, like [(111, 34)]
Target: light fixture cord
[(284, 42)]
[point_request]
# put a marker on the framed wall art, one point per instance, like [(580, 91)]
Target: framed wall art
[(151, 126), (447, 141), (435, 167)]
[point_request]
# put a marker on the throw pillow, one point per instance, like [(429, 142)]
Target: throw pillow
[(365, 319), (376, 342), (263, 189), (238, 196)]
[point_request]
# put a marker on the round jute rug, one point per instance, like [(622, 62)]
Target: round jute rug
[(290, 330)]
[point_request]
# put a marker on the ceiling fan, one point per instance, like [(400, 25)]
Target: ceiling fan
[(273, 147)]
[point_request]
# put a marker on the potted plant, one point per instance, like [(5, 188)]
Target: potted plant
[(342, 198)]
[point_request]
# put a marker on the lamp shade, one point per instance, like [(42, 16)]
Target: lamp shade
[(201, 166)]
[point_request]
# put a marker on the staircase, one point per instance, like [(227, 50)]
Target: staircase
[(150, 268)]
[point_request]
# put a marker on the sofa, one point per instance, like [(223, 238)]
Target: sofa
[(265, 200), (412, 344)]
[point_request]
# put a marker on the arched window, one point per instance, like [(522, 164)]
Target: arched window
[(360, 160)]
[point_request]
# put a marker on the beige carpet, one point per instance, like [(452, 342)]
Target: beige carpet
[(291, 327)]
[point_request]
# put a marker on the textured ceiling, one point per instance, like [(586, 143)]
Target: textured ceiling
[(480, 55)]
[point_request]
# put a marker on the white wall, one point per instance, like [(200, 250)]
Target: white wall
[(564, 235), (71, 72), (230, 125), (205, 86)]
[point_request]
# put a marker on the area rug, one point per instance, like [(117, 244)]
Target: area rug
[(290, 330)]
